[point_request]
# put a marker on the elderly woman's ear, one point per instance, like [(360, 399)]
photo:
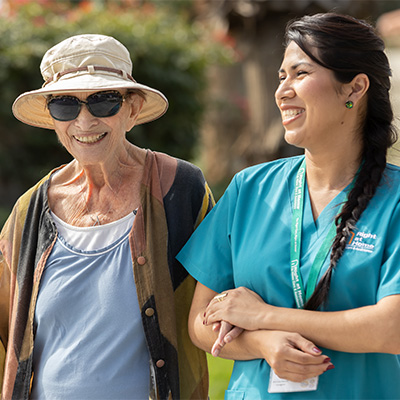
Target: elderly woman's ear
[(136, 103)]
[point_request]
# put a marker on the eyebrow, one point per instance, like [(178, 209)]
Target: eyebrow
[(295, 66)]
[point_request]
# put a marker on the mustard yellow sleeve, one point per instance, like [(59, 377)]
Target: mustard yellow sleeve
[(4, 313), (3, 320), (2, 362)]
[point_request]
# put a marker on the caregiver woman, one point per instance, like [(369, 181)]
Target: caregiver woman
[(304, 253)]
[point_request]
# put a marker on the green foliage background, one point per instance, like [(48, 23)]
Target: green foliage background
[(169, 52), (220, 371)]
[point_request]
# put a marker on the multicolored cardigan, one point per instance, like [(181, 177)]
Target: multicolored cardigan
[(174, 200)]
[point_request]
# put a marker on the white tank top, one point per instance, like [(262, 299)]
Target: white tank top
[(89, 339)]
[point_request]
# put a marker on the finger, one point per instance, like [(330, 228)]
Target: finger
[(220, 343), (233, 334), (300, 357), (216, 348), (299, 350), (217, 299), (298, 373), (225, 328), (207, 320), (214, 304), (220, 297), (305, 345), (309, 370), (216, 326), (216, 312)]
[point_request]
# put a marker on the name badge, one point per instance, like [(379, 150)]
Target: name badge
[(278, 385)]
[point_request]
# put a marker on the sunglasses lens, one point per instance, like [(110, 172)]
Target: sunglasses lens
[(64, 108), (103, 105), (100, 105)]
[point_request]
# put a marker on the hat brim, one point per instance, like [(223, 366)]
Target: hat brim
[(31, 107)]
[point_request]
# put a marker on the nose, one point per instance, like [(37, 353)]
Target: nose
[(284, 90), (85, 119)]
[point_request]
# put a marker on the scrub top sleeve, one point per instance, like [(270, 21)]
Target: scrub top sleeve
[(207, 255), (390, 271)]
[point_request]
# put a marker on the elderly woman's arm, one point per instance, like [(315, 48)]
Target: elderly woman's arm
[(290, 355), (372, 328)]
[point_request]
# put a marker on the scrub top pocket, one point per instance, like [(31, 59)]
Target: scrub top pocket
[(234, 395)]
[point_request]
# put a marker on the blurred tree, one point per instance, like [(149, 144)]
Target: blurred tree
[(168, 53)]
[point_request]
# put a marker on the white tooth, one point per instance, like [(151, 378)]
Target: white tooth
[(89, 139), (291, 113)]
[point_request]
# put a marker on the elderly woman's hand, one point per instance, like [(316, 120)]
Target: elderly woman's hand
[(226, 334), (240, 307)]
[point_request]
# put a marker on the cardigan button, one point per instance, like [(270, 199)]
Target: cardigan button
[(160, 363), (149, 312), (141, 260)]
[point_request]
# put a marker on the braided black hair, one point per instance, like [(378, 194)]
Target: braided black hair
[(348, 47)]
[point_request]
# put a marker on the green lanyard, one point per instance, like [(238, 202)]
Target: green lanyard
[(295, 243)]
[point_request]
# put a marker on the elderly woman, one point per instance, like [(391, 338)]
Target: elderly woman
[(306, 250), (93, 304)]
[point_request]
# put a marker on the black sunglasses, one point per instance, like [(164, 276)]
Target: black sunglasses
[(100, 105)]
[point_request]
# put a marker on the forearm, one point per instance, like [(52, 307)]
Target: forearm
[(366, 329)]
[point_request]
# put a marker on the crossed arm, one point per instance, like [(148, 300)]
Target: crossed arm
[(366, 329), (244, 327)]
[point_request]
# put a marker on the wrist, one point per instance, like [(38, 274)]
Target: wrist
[(268, 318), (255, 342)]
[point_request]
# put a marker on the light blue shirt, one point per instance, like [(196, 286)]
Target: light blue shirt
[(245, 241), (89, 339)]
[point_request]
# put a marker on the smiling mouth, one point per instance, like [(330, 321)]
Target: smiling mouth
[(90, 139), (289, 114)]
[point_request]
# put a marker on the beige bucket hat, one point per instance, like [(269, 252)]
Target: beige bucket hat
[(85, 63)]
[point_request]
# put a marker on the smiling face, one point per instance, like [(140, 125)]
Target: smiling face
[(92, 140), (311, 101)]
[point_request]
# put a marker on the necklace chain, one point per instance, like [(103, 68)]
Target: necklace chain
[(96, 220)]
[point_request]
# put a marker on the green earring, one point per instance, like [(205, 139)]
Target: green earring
[(349, 104)]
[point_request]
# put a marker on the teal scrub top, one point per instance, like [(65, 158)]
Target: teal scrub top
[(245, 241)]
